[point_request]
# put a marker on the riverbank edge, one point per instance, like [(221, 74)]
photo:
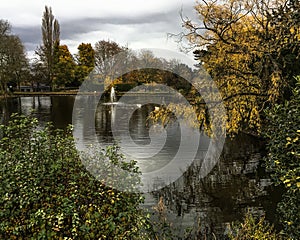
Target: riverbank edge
[(59, 93), (33, 94), (69, 93)]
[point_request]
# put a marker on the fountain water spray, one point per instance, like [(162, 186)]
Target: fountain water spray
[(113, 97)]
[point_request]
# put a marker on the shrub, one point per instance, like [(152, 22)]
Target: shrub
[(46, 192), (253, 229), (283, 133)]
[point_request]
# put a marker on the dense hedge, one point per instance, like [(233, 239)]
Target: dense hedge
[(46, 193)]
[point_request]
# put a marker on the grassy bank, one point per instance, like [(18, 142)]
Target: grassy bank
[(72, 92)]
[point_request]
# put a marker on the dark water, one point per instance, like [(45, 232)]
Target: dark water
[(46, 109), (237, 184)]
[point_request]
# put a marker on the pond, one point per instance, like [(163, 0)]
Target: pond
[(237, 183)]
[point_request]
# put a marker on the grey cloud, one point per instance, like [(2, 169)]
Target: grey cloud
[(152, 23), (30, 36), (167, 22)]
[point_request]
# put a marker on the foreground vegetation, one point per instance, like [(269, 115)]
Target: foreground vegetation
[(46, 193)]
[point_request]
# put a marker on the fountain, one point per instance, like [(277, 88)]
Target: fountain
[(114, 101), (113, 97)]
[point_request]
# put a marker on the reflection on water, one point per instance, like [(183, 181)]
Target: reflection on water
[(46, 109), (237, 183)]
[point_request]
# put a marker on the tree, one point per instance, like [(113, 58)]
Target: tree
[(236, 43), (86, 55), (18, 63), (106, 61), (63, 67), (5, 28), (285, 23), (13, 61), (51, 38), (283, 133), (85, 62), (38, 73)]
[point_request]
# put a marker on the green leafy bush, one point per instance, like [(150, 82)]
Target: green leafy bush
[(283, 132), (46, 192)]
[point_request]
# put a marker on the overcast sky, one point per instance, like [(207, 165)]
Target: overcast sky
[(136, 23)]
